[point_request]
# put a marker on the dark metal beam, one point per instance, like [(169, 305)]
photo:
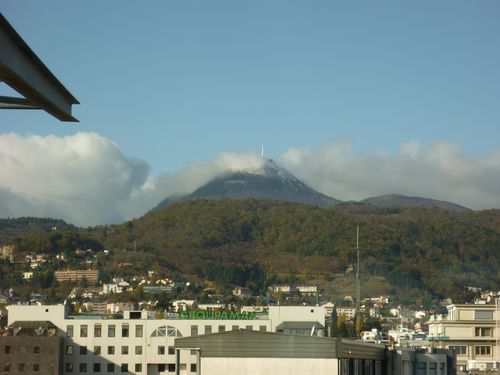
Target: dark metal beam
[(21, 69), (8, 102)]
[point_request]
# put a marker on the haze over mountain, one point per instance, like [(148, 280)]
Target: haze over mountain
[(268, 180)]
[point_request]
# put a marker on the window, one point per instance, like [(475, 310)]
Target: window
[(83, 350), (432, 368), (222, 328), (97, 367), (483, 315), (97, 330), (111, 330), (111, 350), (248, 328), (22, 349), (262, 328), (483, 350), (69, 349), (161, 350), (84, 330), (124, 367), (83, 367), (194, 330), (110, 367), (166, 331), (36, 349), (235, 328), (138, 367), (36, 367), (69, 330), (124, 349), (459, 349), (8, 348), (138, 350), (161, 367), (69, 367), (125, 330), (97, 350), (171, 350), (193, 367), (22, 367), (139, 330), (171, 367), (6, 367), (208, 329), (483, 331)]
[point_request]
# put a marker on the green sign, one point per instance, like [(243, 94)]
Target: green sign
[(217, 315)]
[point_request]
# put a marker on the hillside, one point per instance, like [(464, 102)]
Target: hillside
[(397, 200), (413, 248), (412, 251)]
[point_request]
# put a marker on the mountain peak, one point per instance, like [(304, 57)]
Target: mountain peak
[(261, 178)]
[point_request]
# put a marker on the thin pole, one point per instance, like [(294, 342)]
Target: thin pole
[(358, 286)]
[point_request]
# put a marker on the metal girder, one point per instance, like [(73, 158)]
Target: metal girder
[(22, 70)]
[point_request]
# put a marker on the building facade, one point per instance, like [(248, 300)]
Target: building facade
[(140, 344), (472, 331)]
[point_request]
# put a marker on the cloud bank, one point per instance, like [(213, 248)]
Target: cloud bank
[(439, 171), (87, 180)]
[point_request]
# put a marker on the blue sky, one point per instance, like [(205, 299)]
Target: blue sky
[(179, 82)]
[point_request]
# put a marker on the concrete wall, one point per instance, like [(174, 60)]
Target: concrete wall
[(279, 314), (268, 366)]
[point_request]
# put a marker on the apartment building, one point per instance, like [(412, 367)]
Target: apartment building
[(91, 276), (472, 331), (137, 344)]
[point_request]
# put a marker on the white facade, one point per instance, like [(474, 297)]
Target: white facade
[(140, 345), (269, 366), (473, 331)]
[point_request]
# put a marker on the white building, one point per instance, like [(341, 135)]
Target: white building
[(136, 344), (473, 331)]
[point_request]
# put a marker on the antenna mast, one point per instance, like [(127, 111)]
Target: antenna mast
[(358, 286)]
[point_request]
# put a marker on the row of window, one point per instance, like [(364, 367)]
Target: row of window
[(139, 330), (222, 328), (125, 330), (111, 367), (21, 367), (483, 331), (22, 349), (111, 350), (478, 349)]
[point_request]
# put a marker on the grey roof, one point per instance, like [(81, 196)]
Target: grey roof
[(33, 324), (21, 69), (300, 325), (256, 344)]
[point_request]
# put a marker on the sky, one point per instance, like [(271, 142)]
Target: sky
[(356, 98)]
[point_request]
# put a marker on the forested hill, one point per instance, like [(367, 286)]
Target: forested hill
[(427, 249)]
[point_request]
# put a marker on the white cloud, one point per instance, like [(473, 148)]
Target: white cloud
[(439, 171), (86, 180), (82, 178)]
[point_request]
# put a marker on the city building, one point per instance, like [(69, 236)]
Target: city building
[(31, 347), (90, 276), (267, 353), (140, 344), (473, 331)]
